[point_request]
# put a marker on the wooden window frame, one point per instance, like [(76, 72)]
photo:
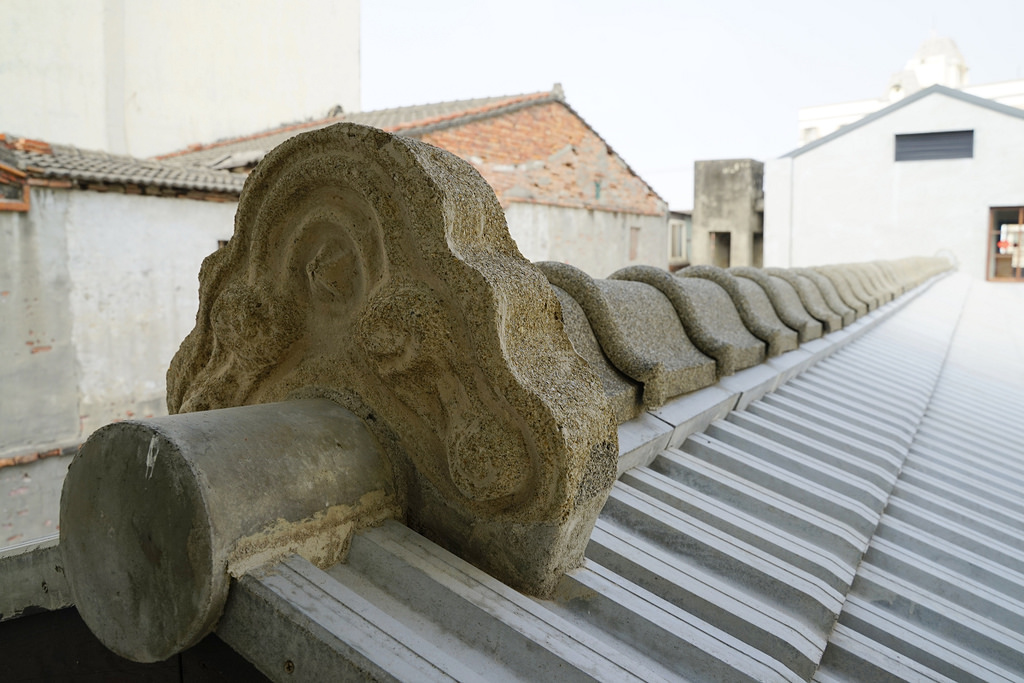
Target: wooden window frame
[(14, 176)]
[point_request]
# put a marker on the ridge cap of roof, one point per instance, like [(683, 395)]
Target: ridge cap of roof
[(611, 150), (910, 99), (492, 103)]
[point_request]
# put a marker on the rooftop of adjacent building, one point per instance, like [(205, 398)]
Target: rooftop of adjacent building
[(530, 147), (938, 61)]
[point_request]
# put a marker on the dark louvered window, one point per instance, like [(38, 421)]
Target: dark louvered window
[(954, 144)]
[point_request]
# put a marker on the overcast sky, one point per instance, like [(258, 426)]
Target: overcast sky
[(667, 82)]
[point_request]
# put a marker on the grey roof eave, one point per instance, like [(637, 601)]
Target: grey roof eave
[(921, 94)]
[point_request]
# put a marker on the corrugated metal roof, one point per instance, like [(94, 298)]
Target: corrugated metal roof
[(739, 552)]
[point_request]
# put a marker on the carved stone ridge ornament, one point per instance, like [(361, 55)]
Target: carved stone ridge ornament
[(370, 344), (378, 271)]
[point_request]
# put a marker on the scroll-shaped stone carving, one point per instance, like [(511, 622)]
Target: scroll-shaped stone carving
[(752, 304), (883, 273), (858, 287), (810, 297), (639, 331), (708, 316), (829, 294), (873, 277), (863, 285), (378, 271), (786, 302), (845, 290), (622, 392)]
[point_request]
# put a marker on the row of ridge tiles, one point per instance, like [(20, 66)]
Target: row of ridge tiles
[(651, 335)]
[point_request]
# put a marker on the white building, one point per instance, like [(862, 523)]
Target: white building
[(937, 171), (142, 78), (937, 62)]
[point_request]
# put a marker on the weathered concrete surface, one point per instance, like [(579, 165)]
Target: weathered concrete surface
[(753, 306), (708, 315), (844, 289), (857, 285), (861, 278), (156, 514), (785, 301), (810, 297), (829, 294), (35, 337), (30, 498), (623, 393), (378, 271), (96, 292), (32, 578), (661, 356), (596, 242)]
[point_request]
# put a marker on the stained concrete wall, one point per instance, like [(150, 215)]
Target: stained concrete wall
[(97, 291), (38, 367), (134, 294), (597, 242), (727, 198), (848, 200), (144, 78), (30, 499)]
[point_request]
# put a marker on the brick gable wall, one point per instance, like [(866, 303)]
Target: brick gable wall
[(546, 154)]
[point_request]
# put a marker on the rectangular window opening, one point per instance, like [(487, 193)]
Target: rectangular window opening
[(953, 144)]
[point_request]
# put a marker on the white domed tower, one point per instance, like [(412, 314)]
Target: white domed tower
[(938, 62)]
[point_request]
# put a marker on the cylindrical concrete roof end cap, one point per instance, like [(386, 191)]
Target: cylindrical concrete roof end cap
[(153, 510), (137, 544)]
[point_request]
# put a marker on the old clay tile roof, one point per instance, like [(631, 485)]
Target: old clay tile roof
[(531, 148), (547, 154), (41, 161), (407, 120)]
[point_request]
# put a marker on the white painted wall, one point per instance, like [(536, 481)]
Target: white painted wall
[(848, 200), (597, 242), (149, 77)]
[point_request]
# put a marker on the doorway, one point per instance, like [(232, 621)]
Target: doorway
[(721, 245), (1006, 244)]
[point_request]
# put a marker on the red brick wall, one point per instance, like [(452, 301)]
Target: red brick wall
[(548, 155)]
